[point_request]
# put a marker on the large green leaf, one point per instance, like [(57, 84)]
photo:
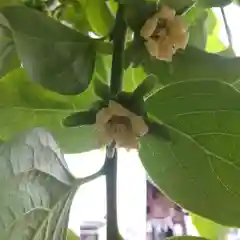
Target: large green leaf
[(8, 56), (4, 3), (36, 188), (24, 105), (208, 228), (199, 167), (191, 64), (54, 55)]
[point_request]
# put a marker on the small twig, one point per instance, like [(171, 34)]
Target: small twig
[(92, 177), (228, 30)]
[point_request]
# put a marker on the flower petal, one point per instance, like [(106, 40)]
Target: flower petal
[(104, 138), (181, 41), (177, 26), (152, 47), (139, 127), (165, 50), (118, 110), (103, 116), (166, 12), (162, 34), (132, 144), (149, 27), (129, 141)]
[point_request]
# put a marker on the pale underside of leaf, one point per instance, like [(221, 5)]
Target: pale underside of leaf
[(36, 188)]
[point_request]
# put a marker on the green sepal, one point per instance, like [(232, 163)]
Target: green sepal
[(80, 118)]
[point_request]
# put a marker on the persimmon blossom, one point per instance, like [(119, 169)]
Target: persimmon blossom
[(165, 33), (118, 124)]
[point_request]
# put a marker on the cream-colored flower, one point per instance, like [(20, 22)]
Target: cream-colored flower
[(116, 123), (165, 33)]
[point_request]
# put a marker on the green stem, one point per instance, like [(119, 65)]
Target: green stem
[(119, 34), (111, 183), (110, 166)]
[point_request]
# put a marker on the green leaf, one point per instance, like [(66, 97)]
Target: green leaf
[(74, 13), (228, 52), (25, 105), (53, 55), (132, 78), (208, 228), (103, 68), (214, 44), (193, 14), (236, 2), (187, 238), (101, 89), (159, 130), (132, 2), (198, 32), (99, 17), (101, 76), (8, 56), (212, 22), (80, 118), (191, 64), (201, 160), (113, 5), (197, 64), (71, 235), (137, 12), (146, 87), (36, 188), (203, 28), (38, 5), (4, 3), (178, 5), (214, 3)]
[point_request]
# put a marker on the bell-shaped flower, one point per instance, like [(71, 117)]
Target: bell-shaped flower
[(118, 124), (165, 33)]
